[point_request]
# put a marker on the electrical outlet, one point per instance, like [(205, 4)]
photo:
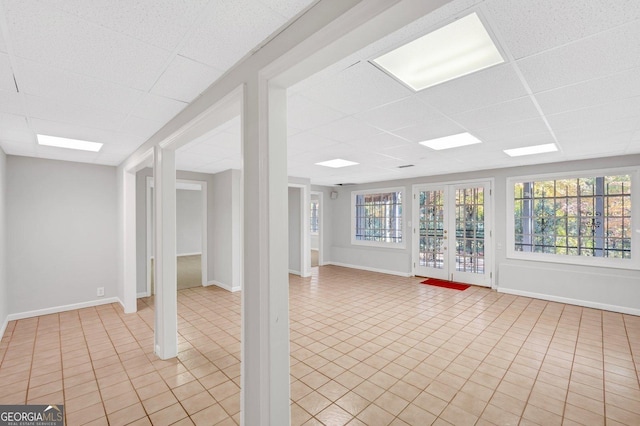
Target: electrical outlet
[(100, 291)]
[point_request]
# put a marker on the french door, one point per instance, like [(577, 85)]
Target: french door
[(451, 232)]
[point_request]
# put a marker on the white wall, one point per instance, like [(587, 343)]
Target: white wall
[(188, 221), (295, 246), (326, 220), (4, 293), (226, 227), (613, 289), (61, 234), (315, 238)]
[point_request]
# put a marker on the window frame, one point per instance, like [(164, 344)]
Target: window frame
[(605, 262), (381, 244)]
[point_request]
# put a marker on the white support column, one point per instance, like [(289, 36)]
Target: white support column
[(166, 297), (265, 292)]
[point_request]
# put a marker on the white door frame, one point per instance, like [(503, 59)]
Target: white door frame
[(489, 223), (204, 242)]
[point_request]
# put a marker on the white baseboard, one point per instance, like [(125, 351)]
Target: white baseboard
[(300, 274), (4, 327), (63, 308), (142, 294), (366, 268), (569, 301), (223, 286)]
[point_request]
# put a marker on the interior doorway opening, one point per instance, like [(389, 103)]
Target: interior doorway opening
[(191, 234)]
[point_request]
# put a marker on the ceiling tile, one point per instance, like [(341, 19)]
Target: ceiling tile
[(287, 8), (50, 110), (185, 79), (228, 23), (487, 87), (50, 36), (17, 134), (600, 114), (380, 143), (622, 85), (11, 103), (140, 127), (617, 145), (532, 27), (432, 130), (345, 130), (75, 131), (69, 88), (599, 133), (307, 142), (188, 161), (399, 114), (597, 56), (3, 43), (518, 140), (23, 148), (498, 114), (358, 88), (162, 23), (12, 121), (53, 153), (306, 114), (6, 74), (157, 108), (511, 130), (217, 146)]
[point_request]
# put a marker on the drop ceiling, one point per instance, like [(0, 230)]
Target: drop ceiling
[(115, 72)]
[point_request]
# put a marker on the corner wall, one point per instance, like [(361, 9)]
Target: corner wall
[(61, 235), (295, 237), (226, 226), (4, 293)]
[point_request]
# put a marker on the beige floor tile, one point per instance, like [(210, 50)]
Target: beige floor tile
[(383, 349)]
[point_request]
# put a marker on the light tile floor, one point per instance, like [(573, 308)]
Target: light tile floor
[(366, 349)]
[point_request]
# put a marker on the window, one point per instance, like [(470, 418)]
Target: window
[(315, 205), (573, 217), (377, 218)]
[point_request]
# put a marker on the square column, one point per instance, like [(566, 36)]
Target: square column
[(265, 292), (165, 268)]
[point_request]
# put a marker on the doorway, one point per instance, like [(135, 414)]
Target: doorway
[(452, 222), (191, 234)]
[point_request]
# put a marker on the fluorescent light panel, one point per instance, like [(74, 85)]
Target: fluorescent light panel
[(453, 141), (460, 48), (68, 143), (337, 163), (531, 150)]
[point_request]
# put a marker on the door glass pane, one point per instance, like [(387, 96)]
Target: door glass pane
[(469, 211), (432, 229)]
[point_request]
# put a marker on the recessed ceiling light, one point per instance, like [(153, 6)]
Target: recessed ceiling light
[(68, 143), (530, 150), (337, 163), (455, 50), (453, 141)]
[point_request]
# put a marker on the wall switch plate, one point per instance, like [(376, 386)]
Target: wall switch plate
[(100, 291)]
